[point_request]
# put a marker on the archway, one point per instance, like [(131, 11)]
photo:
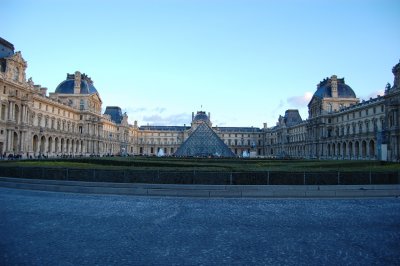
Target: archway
[(15, 143), (62, 146), (68, 146), (372, 149), (42, 144), (35, 143), (50, 143), (356, 149), (364, 149), (350, 149), (56, 144), (344, 149)]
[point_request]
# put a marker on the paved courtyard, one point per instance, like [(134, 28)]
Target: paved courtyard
[(49, 228)]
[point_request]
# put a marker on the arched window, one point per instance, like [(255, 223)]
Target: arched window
[(16, 74)]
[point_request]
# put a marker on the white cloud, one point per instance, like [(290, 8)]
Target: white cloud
[(300, 101), (373, 94), (169, 120)]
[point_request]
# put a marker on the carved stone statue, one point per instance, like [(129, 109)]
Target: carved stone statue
[(388, 86)]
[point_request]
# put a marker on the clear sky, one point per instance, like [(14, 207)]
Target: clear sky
[(246, 62)]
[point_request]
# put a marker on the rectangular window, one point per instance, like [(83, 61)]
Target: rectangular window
[(3, 112)]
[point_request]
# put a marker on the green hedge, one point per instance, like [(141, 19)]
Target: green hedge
[(204, 177)]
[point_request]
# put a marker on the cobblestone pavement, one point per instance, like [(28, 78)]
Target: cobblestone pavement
[(49, 228)]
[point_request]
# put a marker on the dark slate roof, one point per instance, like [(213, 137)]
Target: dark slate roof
[(201, 116), (292, 117), (6, 48), (164, 128), (325, 89), (115, 113), (238, 129), (204, 142), (67, 86)]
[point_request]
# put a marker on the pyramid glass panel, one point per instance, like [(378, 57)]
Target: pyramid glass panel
[(204, 142)]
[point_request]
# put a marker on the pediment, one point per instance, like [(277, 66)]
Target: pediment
[(17, 58)]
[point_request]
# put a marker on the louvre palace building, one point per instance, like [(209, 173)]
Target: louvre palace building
[(70, 122)]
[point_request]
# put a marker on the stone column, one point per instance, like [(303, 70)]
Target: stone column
[(10, 111), (8, 141)]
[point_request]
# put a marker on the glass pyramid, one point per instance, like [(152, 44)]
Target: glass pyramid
[(204, 142)]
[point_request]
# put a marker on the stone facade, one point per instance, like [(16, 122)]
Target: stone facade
[(342, 127), (69, 122)]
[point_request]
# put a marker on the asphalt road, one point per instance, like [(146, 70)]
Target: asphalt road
[(50, 228)]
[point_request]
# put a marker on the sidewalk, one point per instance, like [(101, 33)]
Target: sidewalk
[(204, 191)]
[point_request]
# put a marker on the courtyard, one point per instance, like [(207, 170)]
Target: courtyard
[(48, 228)]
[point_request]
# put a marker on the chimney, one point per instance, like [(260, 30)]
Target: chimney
[(43, 91), (334, 86), (265, 125), (77, 83), (192, 116)]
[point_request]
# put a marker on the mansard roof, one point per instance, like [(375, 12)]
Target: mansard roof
[(115, 113), (67, 86), (164, 128), (204, 142), (239, 129), (324, 89)]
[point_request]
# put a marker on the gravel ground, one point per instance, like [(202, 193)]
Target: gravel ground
[(50, 228)]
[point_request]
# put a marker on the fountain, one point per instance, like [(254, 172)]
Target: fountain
[(160, 153)]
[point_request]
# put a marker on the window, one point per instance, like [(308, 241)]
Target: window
[(16, 74), (82, 105), (3, 112)]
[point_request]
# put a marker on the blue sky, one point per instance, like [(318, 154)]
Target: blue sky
[(246, 62)]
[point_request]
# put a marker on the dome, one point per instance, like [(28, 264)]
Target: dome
[(324, 89), (67, 86), (201, 117)]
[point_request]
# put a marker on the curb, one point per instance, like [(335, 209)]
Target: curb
[(205, 191)]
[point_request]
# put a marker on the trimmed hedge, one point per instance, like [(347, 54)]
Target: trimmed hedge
[(204, 177)]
